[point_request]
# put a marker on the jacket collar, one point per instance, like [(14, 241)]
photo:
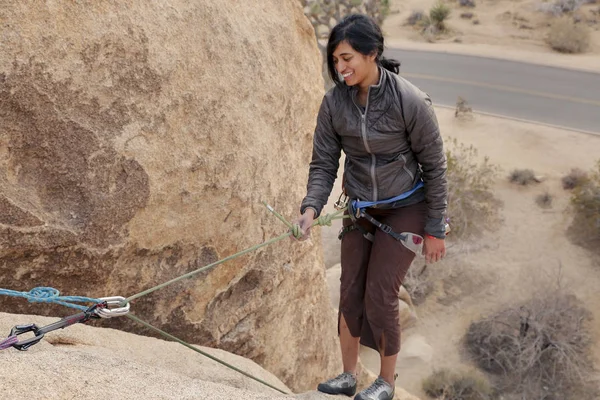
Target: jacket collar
[(377, 90)]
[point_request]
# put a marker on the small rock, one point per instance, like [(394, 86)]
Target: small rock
[(475, 22), (466, 15), (466, 3)]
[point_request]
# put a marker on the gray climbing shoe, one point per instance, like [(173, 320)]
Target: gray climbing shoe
[(379, 390), (344, 383)]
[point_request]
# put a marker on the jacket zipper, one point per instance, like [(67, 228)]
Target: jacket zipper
[(363, 129), (406, 168)]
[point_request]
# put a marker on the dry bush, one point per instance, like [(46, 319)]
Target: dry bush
[(560, 7), (522, 177), (472, 206), (462, 108), (585, 205), (416, 17), (566, 36), (544, 200), (537, 350), (325, 14), (575, 178), (445, 384), (466, 3), (418, 284)]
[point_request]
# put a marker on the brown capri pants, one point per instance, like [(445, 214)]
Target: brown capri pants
[(372, 273)]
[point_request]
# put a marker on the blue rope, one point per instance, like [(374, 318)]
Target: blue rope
[(50, 295)]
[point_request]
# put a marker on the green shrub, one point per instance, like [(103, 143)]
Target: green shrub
[(438, 14)]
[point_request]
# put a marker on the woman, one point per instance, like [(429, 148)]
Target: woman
[(395, 160)]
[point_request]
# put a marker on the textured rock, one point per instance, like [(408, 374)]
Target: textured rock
[(83, 362), (137, 140)]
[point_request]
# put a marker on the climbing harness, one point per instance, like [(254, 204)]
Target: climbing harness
[(109, 307), (356, 210)]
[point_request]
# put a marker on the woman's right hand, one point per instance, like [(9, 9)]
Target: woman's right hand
[(305, 222)]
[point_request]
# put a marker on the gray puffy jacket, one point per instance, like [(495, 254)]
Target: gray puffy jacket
[(389, 146)]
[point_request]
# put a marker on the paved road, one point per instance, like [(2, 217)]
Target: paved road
[(532, 92)]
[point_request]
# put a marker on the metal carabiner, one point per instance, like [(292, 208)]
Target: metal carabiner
[(27, 343), (108, 312)]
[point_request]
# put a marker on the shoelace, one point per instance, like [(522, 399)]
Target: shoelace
[(340, 378), (375, 386)]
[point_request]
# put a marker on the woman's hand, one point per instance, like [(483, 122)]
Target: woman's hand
[(304, 222), (434, 249)]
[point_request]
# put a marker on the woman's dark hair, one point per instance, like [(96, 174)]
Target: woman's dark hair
[(364, 35)]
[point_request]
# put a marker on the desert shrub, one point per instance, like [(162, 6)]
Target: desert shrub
[(415, 18), (566, 6), (537, 350), (544, 200), (438, 14), (575, 178), (466, 3), (418, 284), (560, 7), (448, 384), (325, 14), (566, 36), (522, 177), (585, 204), (472, 207)]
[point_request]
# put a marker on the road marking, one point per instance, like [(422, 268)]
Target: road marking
[(504, 88), (527, 121)]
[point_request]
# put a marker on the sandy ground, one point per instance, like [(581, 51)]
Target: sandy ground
[(503, 266), (509, 29)]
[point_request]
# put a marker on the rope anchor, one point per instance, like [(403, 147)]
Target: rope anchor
[(106, 308)]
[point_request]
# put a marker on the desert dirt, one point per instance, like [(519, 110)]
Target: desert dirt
[(528, 249), (508, 29)]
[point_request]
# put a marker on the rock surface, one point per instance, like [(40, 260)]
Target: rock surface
[(84, 362), (137, 141)]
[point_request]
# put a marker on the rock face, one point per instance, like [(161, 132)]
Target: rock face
[(137, 141), (83, 362)]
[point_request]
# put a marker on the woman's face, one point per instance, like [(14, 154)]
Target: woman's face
[(352, 65)]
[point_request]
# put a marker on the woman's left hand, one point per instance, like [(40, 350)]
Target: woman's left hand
[(434, 249)]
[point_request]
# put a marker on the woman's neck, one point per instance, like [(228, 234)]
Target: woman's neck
[(370, 80)]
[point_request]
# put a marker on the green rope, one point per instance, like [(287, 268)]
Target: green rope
[(192, 273), (295, 230), (147, 325), (324, 220)]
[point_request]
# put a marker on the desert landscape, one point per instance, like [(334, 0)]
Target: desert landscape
[(505, 29), (122, 165), (528, 250)]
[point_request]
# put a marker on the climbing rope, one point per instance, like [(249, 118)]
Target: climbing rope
[(324, 220), (165, 334), (102, 306), (50, 295)]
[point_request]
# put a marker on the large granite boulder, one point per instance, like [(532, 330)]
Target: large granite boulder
[(137, 141)]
